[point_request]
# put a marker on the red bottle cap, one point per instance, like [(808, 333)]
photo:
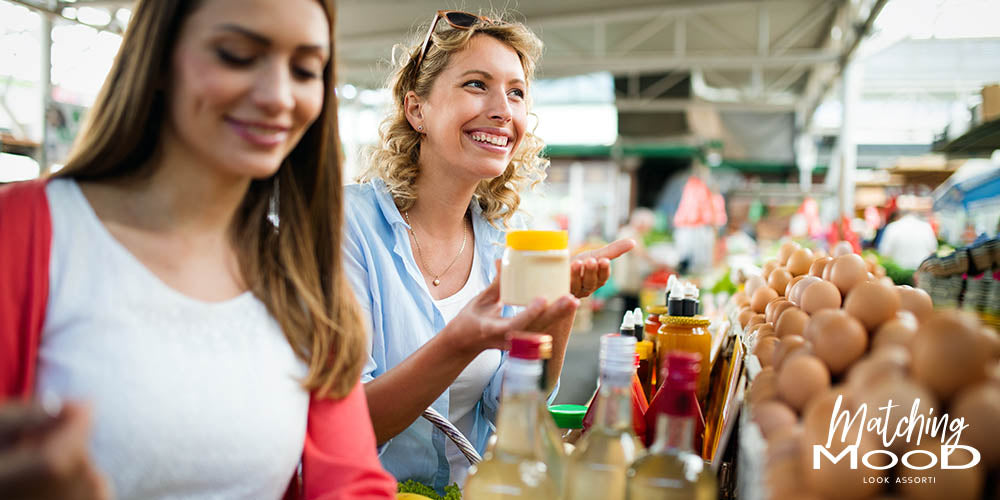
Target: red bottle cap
[(524, 345)]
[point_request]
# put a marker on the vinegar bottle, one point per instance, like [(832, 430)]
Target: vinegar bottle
[(515, 465), (598, 466)]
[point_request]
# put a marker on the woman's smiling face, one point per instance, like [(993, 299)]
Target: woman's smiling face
[(474, 118), (247, 81)]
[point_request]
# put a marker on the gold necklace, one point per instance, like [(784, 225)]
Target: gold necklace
[(420, 253)]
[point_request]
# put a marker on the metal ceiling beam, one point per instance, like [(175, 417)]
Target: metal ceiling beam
[(542, 23), (667, 61), (668, 105), (860, 32)]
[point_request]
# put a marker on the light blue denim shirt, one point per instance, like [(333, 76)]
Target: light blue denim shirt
[(400, 317)]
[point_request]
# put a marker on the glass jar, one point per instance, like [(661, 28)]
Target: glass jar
[(535, 264), (687, 333)]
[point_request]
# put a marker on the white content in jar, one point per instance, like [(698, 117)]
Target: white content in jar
[(535, 264)]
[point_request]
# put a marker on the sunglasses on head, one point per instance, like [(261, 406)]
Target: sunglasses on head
[(457, 19)]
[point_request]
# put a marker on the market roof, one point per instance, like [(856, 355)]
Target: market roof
[(775, 55)]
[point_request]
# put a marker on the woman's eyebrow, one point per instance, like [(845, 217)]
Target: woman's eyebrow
[(265, 41), (489, 76)]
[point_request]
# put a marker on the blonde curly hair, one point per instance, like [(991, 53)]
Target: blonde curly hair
[(394, 158)]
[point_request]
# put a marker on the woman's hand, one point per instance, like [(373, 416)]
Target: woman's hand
[(479, 325), (46, 457), (590, 270)]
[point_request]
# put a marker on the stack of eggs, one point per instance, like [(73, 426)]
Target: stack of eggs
[(834, 327)]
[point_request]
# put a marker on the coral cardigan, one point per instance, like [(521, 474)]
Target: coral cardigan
[(339, 458)]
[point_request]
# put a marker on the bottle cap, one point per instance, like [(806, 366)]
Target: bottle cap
[(617, 353), (524, 345), (637, 317), (568, 416), (627, 321), (538, 240)]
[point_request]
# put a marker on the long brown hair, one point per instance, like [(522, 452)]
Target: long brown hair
[(292, 266)]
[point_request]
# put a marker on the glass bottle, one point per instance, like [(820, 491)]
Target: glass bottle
[(515, 464), (552, 435), (598, 465), (673, 470), (687, 333)]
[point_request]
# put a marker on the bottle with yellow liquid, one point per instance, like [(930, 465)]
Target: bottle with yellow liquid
[(515, 465), (673, 470), (598, 466)]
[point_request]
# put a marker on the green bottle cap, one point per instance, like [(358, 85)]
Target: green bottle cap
[(568, 416)]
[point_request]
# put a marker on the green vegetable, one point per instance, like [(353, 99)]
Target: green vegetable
[(451, 492)]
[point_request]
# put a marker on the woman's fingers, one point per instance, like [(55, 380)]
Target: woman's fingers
[(612, 250), (560, 310)]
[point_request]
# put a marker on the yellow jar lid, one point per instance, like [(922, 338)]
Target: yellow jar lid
[(538, 240), (684, 320)]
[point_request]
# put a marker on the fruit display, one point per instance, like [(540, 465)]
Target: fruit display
[(866, 390)]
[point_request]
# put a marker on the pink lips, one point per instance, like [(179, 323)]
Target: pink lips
[(259, 134)]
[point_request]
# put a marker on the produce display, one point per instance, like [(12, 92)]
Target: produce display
[(865, 389)]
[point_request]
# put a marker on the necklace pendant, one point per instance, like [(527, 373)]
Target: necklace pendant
[(436, 282)]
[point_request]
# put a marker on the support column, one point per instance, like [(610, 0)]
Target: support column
[(45, 88), (850, 94), (805, 160)]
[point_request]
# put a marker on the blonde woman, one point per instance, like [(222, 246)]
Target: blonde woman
[(181, 275), (424, 229)]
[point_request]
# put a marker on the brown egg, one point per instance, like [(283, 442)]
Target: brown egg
[(937, 483), (753, 283), (791, 284), (838, 339), (772, 416), (787, 347), (744, 316), (779, 309), (879, 271), (915, 300), (903, 392), (786, 250), (897, 331), (980, 406), (819, 296), (818, 265), (799, 261), (769, 308), (779, 280), (816, 414), (764, 350), (895, 354), (800, 378), (792, 322), (873, 370), (739, 296), (769, 266), (872, 304), (949, 352), (756, 319), (841, 248), (846, 271), (761, 297), (800, 286), (764, 387), (838, 480), (766, 330)]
